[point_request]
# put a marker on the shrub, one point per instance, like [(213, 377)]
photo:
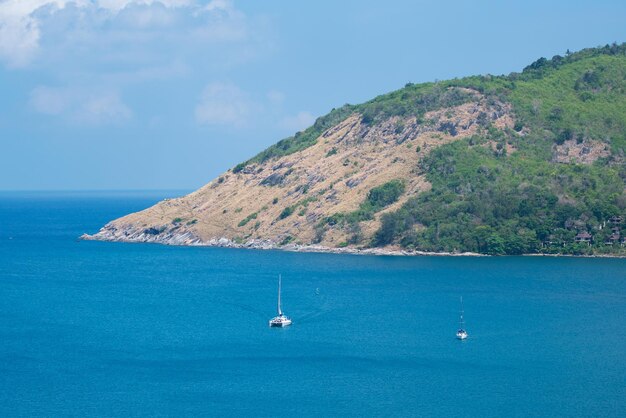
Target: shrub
[(286, 212), (239, 167), (286, 240), (248, 219), (385, 194), (377, 199)]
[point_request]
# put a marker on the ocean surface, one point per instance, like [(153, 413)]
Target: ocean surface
[(115, 330)]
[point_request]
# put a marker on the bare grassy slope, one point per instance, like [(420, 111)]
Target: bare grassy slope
[(284, 200)]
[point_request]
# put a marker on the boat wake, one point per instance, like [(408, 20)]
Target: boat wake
[(324, 307)]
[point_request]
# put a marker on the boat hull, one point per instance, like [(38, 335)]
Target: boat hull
[(280, 322)]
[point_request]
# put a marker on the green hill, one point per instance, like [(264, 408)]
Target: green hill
[(513, 202), (530, 162)]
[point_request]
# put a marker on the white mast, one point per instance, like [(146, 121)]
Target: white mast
[(281, 320), (461, 320), (280, 312)]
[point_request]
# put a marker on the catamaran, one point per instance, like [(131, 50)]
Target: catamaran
[(281, 320), (461, 334)]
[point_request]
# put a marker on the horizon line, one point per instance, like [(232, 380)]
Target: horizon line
[(188, 190)]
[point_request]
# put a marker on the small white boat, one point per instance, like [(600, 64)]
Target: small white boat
[(461, 334), (281, 320)]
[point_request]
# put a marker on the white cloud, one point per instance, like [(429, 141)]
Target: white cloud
[(57, 28), (18, 42), (117, 5), (98, 49), (95, 107), (223, 104), (225, 5), (104, 107), (298, 122), (19, 29)]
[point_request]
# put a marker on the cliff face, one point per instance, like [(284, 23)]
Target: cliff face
[(286, 201)]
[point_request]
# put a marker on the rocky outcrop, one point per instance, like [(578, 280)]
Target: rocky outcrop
[(132, 233), (580, 151)]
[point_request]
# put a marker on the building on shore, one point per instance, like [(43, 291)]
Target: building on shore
[(584, 236)]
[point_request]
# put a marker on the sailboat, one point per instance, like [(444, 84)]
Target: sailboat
[(461, 334), (281, 320)]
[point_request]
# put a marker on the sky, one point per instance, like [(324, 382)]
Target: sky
[(168, 94)]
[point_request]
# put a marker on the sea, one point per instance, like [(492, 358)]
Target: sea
[(141, 330)]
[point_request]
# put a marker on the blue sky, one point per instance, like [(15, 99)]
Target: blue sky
[(149, 94)]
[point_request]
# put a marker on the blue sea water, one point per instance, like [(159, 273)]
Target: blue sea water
[(112, 329)]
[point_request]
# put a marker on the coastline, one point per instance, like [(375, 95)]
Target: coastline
[(187, 240)]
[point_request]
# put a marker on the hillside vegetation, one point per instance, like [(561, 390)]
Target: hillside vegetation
[(530, 162), (500, 202)]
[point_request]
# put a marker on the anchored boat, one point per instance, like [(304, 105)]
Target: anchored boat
[(461, 334), (281, 320)]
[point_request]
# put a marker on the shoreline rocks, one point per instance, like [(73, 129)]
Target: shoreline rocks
[(111, 234)]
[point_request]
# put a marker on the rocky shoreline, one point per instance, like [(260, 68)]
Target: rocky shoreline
[(187, 238)]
